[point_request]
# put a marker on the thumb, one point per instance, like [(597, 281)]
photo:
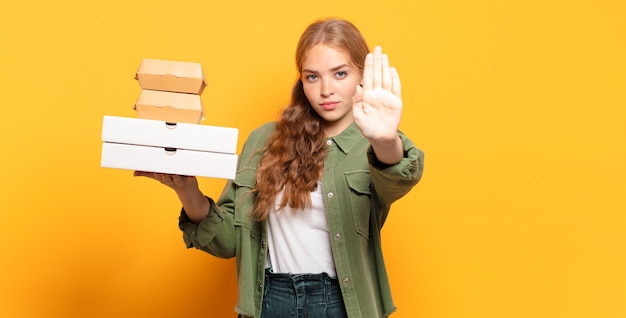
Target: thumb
[(358, 95), (357, 103)]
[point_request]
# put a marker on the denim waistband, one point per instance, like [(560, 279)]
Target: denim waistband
[(297, 277), (302, 295)]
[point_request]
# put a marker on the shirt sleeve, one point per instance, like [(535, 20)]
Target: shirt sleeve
[(392, 182), (216, 233)]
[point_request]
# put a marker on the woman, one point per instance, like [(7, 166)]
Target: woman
[(304, 213)]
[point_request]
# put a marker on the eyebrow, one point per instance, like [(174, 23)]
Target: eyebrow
[(336, 68)]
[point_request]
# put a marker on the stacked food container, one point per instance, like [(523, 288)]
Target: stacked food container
[(167, 136)]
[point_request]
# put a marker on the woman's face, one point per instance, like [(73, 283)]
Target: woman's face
[(329, 80)]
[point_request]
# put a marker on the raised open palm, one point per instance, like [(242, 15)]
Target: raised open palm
[(378, 104)]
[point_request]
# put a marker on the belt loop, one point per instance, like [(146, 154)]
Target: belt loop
[(266, 282), (328, 289)]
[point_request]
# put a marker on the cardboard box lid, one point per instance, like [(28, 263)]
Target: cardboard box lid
[(171, 76), (180, 161), (148, 132), (169, 106)]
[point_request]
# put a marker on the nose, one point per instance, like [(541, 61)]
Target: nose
[(326, 88)]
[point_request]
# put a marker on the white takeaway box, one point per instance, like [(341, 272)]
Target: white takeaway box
[(157, 146), (148, 132)]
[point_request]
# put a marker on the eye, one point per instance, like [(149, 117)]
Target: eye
[(310, 77), (341, 74)]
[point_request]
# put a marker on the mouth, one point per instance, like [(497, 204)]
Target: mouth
[(329, 105)]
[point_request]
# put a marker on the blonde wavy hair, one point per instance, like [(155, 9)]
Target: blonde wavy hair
[(293, 159)]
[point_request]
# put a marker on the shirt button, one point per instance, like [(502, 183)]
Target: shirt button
[(262, 244), (260, 287), (346, 280), (329, 142), (330, 194), (337, 236)]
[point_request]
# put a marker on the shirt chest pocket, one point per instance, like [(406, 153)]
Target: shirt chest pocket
[(359, 183)]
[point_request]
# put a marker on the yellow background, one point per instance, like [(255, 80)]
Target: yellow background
[(519, 106)]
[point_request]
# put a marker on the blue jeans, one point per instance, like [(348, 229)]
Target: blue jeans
[(302, 296)]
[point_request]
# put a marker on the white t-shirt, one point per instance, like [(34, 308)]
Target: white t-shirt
[(298, 239)]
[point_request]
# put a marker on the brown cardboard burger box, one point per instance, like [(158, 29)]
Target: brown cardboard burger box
[(171, 76), (167, 137), (169, 106), (170, 91)]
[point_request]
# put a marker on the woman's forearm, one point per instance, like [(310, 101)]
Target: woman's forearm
[(195, 204)]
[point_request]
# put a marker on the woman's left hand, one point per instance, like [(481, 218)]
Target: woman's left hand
[(378, 103)]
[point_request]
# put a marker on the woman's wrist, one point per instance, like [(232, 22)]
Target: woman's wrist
[(195, 204), (388, 152)]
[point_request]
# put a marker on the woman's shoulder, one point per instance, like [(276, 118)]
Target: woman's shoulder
[(260, 135), (266, 128), (263, 131)]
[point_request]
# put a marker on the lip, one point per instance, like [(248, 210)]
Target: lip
[(329, 105)]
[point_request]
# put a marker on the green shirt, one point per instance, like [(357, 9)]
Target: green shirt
[(358, 192)]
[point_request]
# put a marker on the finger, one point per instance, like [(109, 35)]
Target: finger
[(358, 94), (159, 177), (377, 67), (143, 174), (386, 73), (180, 179), (396, 87), (164, 178), (368, 82)]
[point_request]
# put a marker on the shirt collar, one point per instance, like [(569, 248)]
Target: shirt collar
[(348, 138)]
